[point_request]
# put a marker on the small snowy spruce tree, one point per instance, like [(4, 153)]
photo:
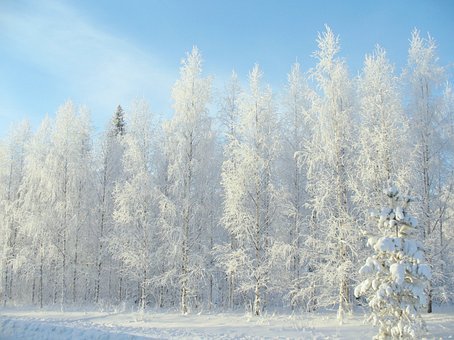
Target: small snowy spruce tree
[(397, 274)]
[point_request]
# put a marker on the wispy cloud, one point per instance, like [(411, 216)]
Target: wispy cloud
[(99, 68)]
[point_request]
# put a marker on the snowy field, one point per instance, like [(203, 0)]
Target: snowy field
[(26, 323)]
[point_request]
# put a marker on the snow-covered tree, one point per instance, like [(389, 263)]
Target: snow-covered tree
[(430, 179), (443, 273), (36, 216), (11, 177), (132, 241), (294, 134), (118, 122), (229, 117), (249, 193), (187, 148), (84, 184), (330, 162), (397, 274), (109, 173), (69, 167), (383, 131)]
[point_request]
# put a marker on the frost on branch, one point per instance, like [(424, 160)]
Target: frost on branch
[(397, 274)]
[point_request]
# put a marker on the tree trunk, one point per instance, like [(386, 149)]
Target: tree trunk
[(41, 278), (33, 289), (76, 254), (231, 279), (427, 215), (5, 284), (256, 309), (101, 233), (186, 220), (63, 271), (8, 280), (53, 266), (143, 295), (120, 284)]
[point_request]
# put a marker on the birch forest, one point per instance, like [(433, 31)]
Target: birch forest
[(246, 198)]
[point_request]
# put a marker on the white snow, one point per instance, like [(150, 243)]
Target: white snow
[(26, 323), (388, 244), (397, 271), (424, 270), (411, 248), (400, 216)]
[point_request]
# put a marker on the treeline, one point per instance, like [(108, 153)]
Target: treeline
[(261, 204)]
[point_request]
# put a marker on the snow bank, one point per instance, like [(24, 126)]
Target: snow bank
[(33, 324), (106, 326), (12, 329)]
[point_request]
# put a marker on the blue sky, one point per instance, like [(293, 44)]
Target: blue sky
[(104, 53)]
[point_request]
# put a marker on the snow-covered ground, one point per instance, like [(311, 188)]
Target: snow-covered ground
[(26, 323)]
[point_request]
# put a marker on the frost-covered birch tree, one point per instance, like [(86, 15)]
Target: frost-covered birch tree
[(84, 201), (11, 177), (295, 133), (249, 193), (383, 148), (229, 117), (443, 273), (109, 174), (69, 170), (36, 216), (330, 166), (132, 241), (187, 148), (431, 178)]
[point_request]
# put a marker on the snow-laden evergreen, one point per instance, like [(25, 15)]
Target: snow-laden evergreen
[(398, 273)]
